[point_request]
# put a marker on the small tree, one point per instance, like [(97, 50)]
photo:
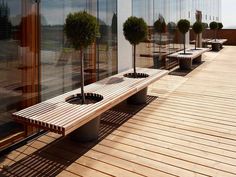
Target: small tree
[(220, 26), (81, 30), (171, 27), (197, 28), (160, 27), (183, 26), (214, 27), (135, 30)]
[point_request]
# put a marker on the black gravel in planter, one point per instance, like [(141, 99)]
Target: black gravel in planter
[(138, 75), (90, 98), (185, 53)]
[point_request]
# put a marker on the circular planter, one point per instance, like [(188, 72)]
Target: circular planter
[(185, 53), (138, 75), (89, 131), (90, 98)]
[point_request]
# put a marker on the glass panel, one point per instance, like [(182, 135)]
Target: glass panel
[(107, 49), (60, 65), (18, 61)]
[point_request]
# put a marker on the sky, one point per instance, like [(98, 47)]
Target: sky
[(229, 13)]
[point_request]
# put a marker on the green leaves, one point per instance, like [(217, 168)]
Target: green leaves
[(198, 27), (213, 25), (81, 29), (183, 26), (160, 25), (135, 30), (220, 25)]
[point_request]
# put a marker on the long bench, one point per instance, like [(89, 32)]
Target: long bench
[(61, 117), (217, 44), (186, 60)]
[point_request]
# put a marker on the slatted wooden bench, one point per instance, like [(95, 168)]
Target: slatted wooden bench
[(58, 116), (217, 44), (185, 61)]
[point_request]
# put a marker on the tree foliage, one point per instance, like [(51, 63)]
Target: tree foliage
[(183, 26), (135, 30), (213, 25), (220, 25), (81, 29), (160, 25), (197, 27)]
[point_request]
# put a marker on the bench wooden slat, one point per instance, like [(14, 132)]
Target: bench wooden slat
[(61, 117)]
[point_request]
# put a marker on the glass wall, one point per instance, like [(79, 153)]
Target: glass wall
[(153, 52), (60, 66), (18, 62)]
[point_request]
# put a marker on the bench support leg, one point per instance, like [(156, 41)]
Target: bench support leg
[(198, 60), (216, 47), (185, 64), (88, 132), (138, 98)]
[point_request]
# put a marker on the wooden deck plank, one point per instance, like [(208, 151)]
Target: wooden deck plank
[(188, 130)]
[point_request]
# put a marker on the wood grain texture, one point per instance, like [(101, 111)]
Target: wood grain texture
[(187, 131), (61, 117)]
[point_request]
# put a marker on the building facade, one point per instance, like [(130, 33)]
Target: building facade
[(37, 62)]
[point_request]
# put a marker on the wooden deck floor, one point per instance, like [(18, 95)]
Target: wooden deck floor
[(187, 129)]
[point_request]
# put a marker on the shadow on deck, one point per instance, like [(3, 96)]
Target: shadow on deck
[(57, 156)]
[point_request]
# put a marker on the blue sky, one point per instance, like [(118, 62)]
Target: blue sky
[(229, 13)]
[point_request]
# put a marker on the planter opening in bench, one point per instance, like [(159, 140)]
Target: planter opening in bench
[(90, 98), (138, 75), (185, 53)]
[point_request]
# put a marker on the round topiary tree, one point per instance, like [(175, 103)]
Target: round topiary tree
[(205, 26), (160, 28), (220, 26), (81, 30), (171, 27), (135, 30), (214, 27), (197, 28), (183, 26)]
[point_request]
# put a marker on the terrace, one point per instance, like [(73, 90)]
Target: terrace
[(187, 128)]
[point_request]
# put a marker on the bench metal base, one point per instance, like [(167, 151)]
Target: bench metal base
[(198, 60), (88, 132), (185, 64), (138, 98), (216, 47)]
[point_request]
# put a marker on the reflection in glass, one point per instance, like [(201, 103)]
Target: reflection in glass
[(60, 70)]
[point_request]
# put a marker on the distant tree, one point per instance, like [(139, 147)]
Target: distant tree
[(214, 27), (183, 26), (160, 28), (197, 28), (114, 24), (135, 30)]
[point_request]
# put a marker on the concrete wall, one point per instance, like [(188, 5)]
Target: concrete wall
[(124, 10)]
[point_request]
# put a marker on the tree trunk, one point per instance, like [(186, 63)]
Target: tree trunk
[(184, 43), (196, 41), (134, 62), (82, 75), (160, 45), (215, 35)]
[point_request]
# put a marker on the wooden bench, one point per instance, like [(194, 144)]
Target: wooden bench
[(185, 61), (60, 117), (217, 44)]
